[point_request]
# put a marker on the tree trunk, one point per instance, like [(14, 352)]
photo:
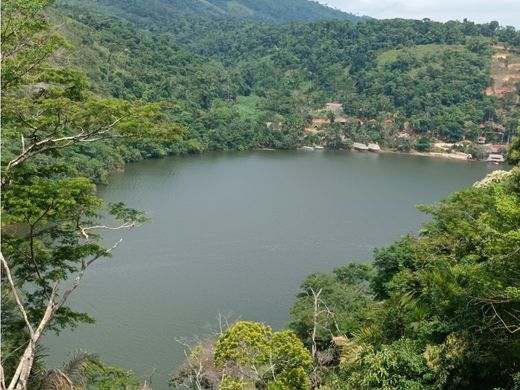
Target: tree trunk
[(23, 371)]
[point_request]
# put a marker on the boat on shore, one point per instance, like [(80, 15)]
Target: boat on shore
[(374, 148), (495, 158), (359, 146)]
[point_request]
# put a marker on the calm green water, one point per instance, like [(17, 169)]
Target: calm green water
[(236, 234)]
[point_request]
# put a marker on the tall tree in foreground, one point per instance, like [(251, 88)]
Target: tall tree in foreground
[(50, 213)]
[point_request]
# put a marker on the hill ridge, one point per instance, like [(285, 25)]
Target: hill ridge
[(165, 12)]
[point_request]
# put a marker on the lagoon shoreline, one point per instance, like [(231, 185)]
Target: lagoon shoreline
[(450, 156)]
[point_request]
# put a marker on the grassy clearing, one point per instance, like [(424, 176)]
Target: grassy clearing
[(420, 51), (248, 106)]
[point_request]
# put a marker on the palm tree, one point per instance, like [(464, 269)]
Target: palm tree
[(74, 374), (82, 371)]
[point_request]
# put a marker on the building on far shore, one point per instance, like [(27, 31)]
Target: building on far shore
[(497, 158)]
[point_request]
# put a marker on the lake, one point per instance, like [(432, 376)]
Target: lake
[(236, 233)]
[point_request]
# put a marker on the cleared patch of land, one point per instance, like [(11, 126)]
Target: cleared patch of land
[(505, 71)]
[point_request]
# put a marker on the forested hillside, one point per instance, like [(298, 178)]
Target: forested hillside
[(228, 80), (231, 79), (165, 15)]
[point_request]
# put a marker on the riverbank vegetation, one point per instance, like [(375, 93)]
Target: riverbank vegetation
[(437, 310)]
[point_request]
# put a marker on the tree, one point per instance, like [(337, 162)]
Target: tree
[(390, 261), (423, 144), (450, 303), (246, 354), (513, 156), (252, 354), (331, 305), (51, 214)]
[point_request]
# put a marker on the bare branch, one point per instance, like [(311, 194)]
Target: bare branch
[(2, 378), (510, 328), (62, 142), (195, 366), (15, 294), (126, 225), (223, 322), (81, 273), (23, 370), (315, 315)]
